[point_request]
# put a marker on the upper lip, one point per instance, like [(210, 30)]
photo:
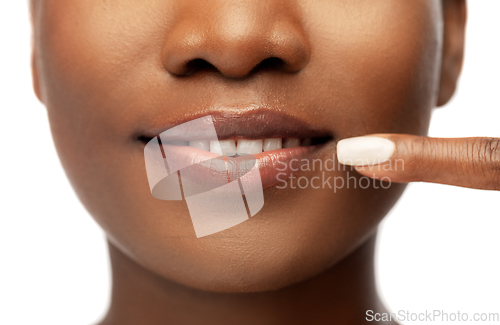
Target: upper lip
[(259, 123)]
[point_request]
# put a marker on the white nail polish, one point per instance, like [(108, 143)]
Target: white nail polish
[(291, 143), (228, 147), (365, 151), (272, 144), (200, 144), (250, 147)]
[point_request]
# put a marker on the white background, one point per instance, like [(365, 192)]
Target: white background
[(438, 249)]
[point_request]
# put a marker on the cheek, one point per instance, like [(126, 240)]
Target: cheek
[(94, 52), (382, 63), (97, 66)]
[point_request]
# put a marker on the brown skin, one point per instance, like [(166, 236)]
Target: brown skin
[(466, 162), (107, 70)]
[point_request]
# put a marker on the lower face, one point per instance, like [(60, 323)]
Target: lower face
[(373, 68)]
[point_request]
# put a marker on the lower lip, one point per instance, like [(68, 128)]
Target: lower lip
[(273, 165)]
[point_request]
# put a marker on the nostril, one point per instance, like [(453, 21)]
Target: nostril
[(272, 63), (201, 65), (198, 65)]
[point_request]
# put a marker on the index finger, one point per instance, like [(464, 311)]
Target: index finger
[(402, 158)]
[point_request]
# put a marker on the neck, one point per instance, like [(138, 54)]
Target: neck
[(340, 295)]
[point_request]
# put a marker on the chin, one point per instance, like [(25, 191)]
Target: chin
[(276, 248)]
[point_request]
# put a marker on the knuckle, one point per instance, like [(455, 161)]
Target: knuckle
[(493, 150), (489, 153)]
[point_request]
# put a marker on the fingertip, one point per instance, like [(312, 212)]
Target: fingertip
[(365, 150)]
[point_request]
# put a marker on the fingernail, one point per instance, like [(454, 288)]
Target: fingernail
[(366, 150)]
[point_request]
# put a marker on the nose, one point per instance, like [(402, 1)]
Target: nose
[(236, 38)]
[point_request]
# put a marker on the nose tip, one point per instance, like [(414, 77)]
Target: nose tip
[(235, 47)]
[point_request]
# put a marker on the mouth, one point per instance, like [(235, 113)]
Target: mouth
[(280, 143)]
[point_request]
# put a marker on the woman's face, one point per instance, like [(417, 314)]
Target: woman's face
[(111, 72)]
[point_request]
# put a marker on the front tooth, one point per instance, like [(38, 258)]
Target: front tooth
[(273, 144), (291, 143), (251, 147), (200, 144), (228, 147), (215, 147)]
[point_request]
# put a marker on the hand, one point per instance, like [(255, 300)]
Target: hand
[(402, 158)]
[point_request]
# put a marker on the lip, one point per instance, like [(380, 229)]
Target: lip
[(259, 123), (256, 124)]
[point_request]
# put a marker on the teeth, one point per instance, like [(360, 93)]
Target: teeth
[(272, 144), (228, 147), (291, 143), (200, 144), (250, 147)]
